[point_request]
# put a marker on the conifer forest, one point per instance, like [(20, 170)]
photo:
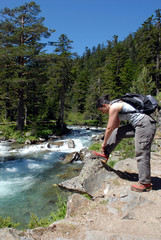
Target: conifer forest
[(36, 86)]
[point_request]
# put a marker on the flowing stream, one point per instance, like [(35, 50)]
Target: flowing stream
[(27, 180)]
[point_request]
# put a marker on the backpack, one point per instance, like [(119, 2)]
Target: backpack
[(142, 103)]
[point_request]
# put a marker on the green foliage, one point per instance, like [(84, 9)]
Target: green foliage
[(52, 217), (91, 122), (75, 118), (32, 132), (7, 223), (111, 163), (143, 84), (96, 147)]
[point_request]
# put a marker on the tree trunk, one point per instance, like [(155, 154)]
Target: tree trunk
[(60, 122), (20, 114)]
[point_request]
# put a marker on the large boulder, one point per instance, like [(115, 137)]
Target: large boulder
[(91, 179)]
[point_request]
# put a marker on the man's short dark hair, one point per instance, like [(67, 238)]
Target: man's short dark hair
[(102, 100)]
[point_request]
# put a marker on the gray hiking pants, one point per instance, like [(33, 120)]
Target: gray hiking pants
[(144, 133)]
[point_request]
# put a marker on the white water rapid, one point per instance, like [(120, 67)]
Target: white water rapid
[(26, 180)]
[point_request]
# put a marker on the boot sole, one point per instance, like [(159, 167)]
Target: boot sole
[(141, 190), (104, 160)]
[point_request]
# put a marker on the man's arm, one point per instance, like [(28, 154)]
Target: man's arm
[(113, 122)]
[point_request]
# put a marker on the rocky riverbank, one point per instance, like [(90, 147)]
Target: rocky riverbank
[(114, 212)]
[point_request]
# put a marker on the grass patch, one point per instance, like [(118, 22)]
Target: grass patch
[(7, 223), (87, 196), (111, 163), (95, 147), (126, 148)]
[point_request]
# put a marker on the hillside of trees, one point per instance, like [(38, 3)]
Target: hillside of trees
[(36, 86)]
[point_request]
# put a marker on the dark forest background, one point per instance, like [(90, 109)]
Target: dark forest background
[(63, 87)]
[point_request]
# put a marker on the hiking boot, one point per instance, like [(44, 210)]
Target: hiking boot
[(101, 156), (141, 187)]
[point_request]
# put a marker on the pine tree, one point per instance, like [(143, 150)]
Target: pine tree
[(20, 32), (143, 84), (61, 74)]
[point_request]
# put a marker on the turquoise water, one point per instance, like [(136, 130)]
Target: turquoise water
[(27, 181)]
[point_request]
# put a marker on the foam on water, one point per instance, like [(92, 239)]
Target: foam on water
[(11, 169), (10, 187)]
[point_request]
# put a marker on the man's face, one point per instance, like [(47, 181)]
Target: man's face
[(104, 109)]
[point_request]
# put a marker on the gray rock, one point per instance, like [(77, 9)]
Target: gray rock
[(71, 157), (91, 178), (42, 139), (132, 200), (10, 234), (58, 144), (85, 154), (95, 182), (74, 202), (128, 164), (72, 184), (98, 137), (71, 143), (27, 142)]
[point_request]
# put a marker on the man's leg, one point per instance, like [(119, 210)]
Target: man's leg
[(117, 135), (145, 131)]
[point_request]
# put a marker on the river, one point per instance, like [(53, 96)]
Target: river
[(27, 180)]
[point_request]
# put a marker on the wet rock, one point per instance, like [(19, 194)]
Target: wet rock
[(27, 142), (42, 139), (48, 145), (71, 143), (71, 157), (58, 144), (2, 138), (54, 137)]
